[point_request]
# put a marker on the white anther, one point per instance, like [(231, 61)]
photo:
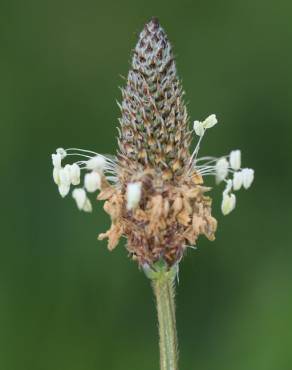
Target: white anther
[(228, 203), (134, 190), (221, 168), (210, 121), (96, 163), (237, 180), (248, 177), (57, 160), (62, 152), (235, 159), (74, 174), (92, 181)]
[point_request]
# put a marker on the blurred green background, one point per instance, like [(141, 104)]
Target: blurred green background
[(66, 303)]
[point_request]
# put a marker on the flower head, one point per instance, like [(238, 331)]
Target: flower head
[(154, 187)]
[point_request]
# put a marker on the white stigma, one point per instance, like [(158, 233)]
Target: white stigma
[(134, 190), (92, 181), (235, 159)]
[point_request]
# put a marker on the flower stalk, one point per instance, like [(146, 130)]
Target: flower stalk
[(164, 294), (163, 283)]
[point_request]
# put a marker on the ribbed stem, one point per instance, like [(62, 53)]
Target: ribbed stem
[(163, 287)]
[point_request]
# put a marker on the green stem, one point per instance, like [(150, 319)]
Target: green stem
[(163, 286)]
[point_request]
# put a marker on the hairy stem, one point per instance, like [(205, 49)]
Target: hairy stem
[(163, 286)]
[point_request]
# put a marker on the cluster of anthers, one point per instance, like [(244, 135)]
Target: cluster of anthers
[(222, 168), (70, 174), (154, 187), (102, 169)]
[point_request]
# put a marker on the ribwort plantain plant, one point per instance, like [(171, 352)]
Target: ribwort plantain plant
[(153, 187)]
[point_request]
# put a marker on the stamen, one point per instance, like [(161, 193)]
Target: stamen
[(92, 152), (206, 159), (82, 150), (78, 154)]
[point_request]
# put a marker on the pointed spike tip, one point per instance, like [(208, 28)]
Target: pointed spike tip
[(153, 23)]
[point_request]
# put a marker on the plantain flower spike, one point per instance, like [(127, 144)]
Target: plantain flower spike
[(154, 188)]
